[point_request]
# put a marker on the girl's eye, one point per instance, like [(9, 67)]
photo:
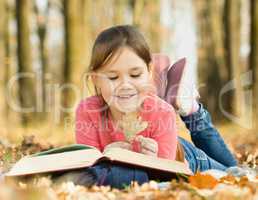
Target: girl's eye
[(113, 78), (135, 75)]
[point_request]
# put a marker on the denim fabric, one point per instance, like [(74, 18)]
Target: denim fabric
[(117, 176), (209, 150), (198, 159)]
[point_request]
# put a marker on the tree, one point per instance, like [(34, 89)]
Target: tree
[(119, 7), (150, 23), (2, 56), (73, 48), (154, 26), (232, 47), (138, 6), (26, 85), (42, 19), (86, 24), (254, 56), (7, 66), (212, 73)]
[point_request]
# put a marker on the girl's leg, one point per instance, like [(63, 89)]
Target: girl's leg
[(205, 136), (114, 175), (182, 95), (199, 160), (77, 176)]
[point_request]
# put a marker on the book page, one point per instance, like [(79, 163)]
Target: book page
[(139, 159), (55, 162), (72, 147)]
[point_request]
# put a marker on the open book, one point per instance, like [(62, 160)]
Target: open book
[(81, 156)]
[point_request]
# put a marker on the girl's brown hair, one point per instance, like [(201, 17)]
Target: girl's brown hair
[(110, 40)]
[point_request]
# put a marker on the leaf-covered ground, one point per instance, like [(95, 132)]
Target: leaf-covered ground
[(196, 187)]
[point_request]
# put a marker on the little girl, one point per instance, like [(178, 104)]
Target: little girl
[(120, 69)]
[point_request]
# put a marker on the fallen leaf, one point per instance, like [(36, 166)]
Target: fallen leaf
[(202, 181)]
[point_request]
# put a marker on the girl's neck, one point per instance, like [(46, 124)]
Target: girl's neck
[(118, 115)]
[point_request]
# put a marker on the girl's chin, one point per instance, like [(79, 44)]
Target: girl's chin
[(128, 105)]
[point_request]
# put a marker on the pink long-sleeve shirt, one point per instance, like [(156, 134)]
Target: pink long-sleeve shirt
[(159, 114)]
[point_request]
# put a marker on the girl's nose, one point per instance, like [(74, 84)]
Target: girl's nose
[(126, 86), (125, 80), (125, 83)]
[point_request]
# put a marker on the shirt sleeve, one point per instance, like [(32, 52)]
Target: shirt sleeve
[(85, 130), (165, 134)]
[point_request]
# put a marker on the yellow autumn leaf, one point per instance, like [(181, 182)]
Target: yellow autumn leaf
[(132, 124)]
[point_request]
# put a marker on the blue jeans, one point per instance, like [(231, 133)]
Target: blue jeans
[(208, 152), (116, 175)]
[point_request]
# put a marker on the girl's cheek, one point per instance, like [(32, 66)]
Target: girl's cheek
[(145, 84), (107, 87), (107, 94)]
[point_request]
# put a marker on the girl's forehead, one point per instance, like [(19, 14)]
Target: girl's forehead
[(126, 59)]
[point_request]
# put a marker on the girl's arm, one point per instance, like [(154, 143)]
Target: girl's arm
[(85, 130), (165, 134)]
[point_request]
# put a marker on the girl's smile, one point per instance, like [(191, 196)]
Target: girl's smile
[(126, 97)]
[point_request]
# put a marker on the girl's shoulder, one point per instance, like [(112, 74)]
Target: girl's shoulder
[(91, 103), (155, 103), (155, 110)]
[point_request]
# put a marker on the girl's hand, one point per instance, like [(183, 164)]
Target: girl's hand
[(120, 144), (148, 145)]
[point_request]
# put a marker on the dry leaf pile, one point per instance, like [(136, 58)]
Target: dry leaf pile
[(198, 187)]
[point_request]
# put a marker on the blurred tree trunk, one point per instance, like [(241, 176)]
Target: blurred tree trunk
[(2, 57), (104, 17), (146, 16), (90, 30), (138, 6), (7, 56), (87, 34), (42, 20), (26, 84), (232, 47), (73, 50), (212, 72), (254, 58), (119, 8), (86, 24), (154, 29)]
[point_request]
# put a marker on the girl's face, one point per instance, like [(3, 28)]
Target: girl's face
[(124, 81)]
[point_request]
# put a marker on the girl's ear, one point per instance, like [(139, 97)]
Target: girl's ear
[(94, 78), (151, 68)]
